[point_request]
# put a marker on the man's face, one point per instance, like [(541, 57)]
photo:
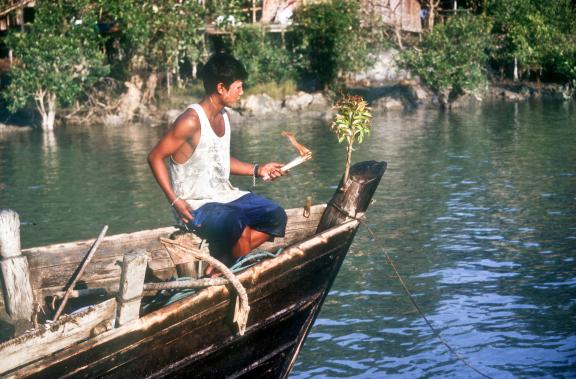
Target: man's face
[(232, 95)]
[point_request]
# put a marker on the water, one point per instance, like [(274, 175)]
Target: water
[(477, 209)]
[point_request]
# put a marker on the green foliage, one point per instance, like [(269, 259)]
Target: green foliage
[(131, 32), (58, 55), (175, 32), (539, 34), (351, 123), (329, 40), (265, 59), (352, 120), (162, 33), (451, 59)]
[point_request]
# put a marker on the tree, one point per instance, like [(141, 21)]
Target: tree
[(533, 35), (57, 58), (452, 58), (330, 40), (175, 34), (155, 36), (271, 64)]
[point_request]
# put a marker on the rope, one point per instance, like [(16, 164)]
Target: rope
[(362, 220), (174, 294), (253, 258), (242, 309)]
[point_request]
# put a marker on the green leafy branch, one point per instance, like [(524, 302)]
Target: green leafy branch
[(351, 123)]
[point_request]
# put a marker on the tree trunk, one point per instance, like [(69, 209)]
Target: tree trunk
[(515, 75), (432, 6), (398, 33), (169, 82), (43, 99), (150, 91), (194, 70), (51, 111)]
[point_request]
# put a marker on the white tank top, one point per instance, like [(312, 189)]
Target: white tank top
[(205, 176)]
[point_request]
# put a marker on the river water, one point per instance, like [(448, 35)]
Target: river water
[(477, 209)]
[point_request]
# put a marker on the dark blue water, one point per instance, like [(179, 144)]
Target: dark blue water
[(477, 208)]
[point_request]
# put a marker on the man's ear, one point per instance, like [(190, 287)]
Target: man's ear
[(220, 88)]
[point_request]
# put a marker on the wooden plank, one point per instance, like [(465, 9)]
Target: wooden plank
[(18, 296), (51, 265), (116, 245), (112, 246), (131, 282), (56, 336)]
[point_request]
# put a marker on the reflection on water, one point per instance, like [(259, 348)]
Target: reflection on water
[(477, 209)]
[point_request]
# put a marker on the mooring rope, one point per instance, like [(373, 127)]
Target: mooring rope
[(362, 220)]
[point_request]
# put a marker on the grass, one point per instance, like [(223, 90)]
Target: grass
[(277, 91)]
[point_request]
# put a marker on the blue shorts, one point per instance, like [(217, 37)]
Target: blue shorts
[(222, 224)]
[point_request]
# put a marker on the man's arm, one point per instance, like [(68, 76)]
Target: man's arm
[(271, 170), (183, 130)]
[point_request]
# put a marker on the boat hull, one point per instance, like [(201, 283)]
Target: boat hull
[(195, 337)]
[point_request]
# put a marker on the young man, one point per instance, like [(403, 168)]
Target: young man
[(196, 181)]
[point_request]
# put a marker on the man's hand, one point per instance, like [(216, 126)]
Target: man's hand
[(271, 171), (184, 210)]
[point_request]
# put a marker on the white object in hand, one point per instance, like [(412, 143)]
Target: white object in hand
[(290, 165)]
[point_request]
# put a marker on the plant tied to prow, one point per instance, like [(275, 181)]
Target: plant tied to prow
[(351, 123)]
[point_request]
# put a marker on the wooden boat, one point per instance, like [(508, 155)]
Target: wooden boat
[(194, 336)]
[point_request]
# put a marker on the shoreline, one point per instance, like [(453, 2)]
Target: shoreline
[(395, 96)]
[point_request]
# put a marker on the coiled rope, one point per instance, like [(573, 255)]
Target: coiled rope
[(436, 333), (242, 308)]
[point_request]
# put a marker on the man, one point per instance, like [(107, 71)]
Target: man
[(196, 181)]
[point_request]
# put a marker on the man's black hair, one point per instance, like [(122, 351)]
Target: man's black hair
[(221, 68)]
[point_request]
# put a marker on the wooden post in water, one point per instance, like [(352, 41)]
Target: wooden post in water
[(353, 197), (18, 296), (131, 286)]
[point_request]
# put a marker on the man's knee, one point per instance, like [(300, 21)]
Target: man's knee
[(278, 217)]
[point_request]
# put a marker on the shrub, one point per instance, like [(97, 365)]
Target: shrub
[(451, 59), (329, 40), (265, 59)]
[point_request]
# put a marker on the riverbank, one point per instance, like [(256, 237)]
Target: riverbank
[(386, 86)]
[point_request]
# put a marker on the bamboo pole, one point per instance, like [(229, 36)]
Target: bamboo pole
[(78, 275), (18, 295)]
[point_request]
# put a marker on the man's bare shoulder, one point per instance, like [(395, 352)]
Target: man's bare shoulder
[(187, 123)]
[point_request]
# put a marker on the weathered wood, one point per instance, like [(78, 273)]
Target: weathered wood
[(353, 198), (277, 287), (184, 284), (58, 335), (18, 296), (50, 266), (195, 333), (131, 286), (80, 271)]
